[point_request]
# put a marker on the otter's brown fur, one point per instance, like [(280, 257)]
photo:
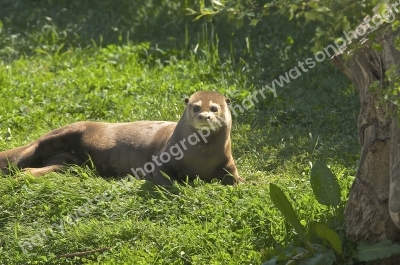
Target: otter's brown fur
[(198, 145)]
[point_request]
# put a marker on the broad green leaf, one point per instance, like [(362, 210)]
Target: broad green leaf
[(395, 25), (329, 235), (313, 5), (293, 7), (324, 185), (198, 17), (382, 8), (216, 2), (376, 47), (191, 11), (368, 251), (239, 23), (309, 16), (254, 22), (322, 9), (289, 40), (281, 202), (291, 14)]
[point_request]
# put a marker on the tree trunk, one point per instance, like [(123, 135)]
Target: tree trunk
[(376, 188)]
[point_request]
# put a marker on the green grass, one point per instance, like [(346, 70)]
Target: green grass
[(47, 81)]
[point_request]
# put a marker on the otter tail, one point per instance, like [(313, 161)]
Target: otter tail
[(49, 153), (11, 157)]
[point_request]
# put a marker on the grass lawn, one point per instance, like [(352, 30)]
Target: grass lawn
[(72, 66)]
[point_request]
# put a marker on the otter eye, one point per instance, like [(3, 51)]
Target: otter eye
[(214, 108), (196, 108)]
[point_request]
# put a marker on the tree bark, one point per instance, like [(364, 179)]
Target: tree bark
[(376, 188)]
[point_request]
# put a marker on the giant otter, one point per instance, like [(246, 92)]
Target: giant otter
[(199, 144)]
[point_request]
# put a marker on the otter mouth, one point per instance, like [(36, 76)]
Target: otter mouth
[(204, 127), (207, 124)]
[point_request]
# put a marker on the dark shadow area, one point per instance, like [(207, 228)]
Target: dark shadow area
[(313, 117), (49, 26), (149, 190)]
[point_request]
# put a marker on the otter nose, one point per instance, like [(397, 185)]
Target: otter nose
[(204, 116)]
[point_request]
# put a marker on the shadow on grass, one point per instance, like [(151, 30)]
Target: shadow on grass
[(149, 190), (312, 118), (49, 26)]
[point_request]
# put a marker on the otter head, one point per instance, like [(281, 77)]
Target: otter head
[(208, 109)]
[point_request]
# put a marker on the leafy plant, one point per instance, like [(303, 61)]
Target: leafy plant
[(333, 17), (327, 192)]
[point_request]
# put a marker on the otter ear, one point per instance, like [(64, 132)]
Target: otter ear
[(186, 100), (228, 101)]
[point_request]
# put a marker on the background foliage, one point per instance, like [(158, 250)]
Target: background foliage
[(65, 61)]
